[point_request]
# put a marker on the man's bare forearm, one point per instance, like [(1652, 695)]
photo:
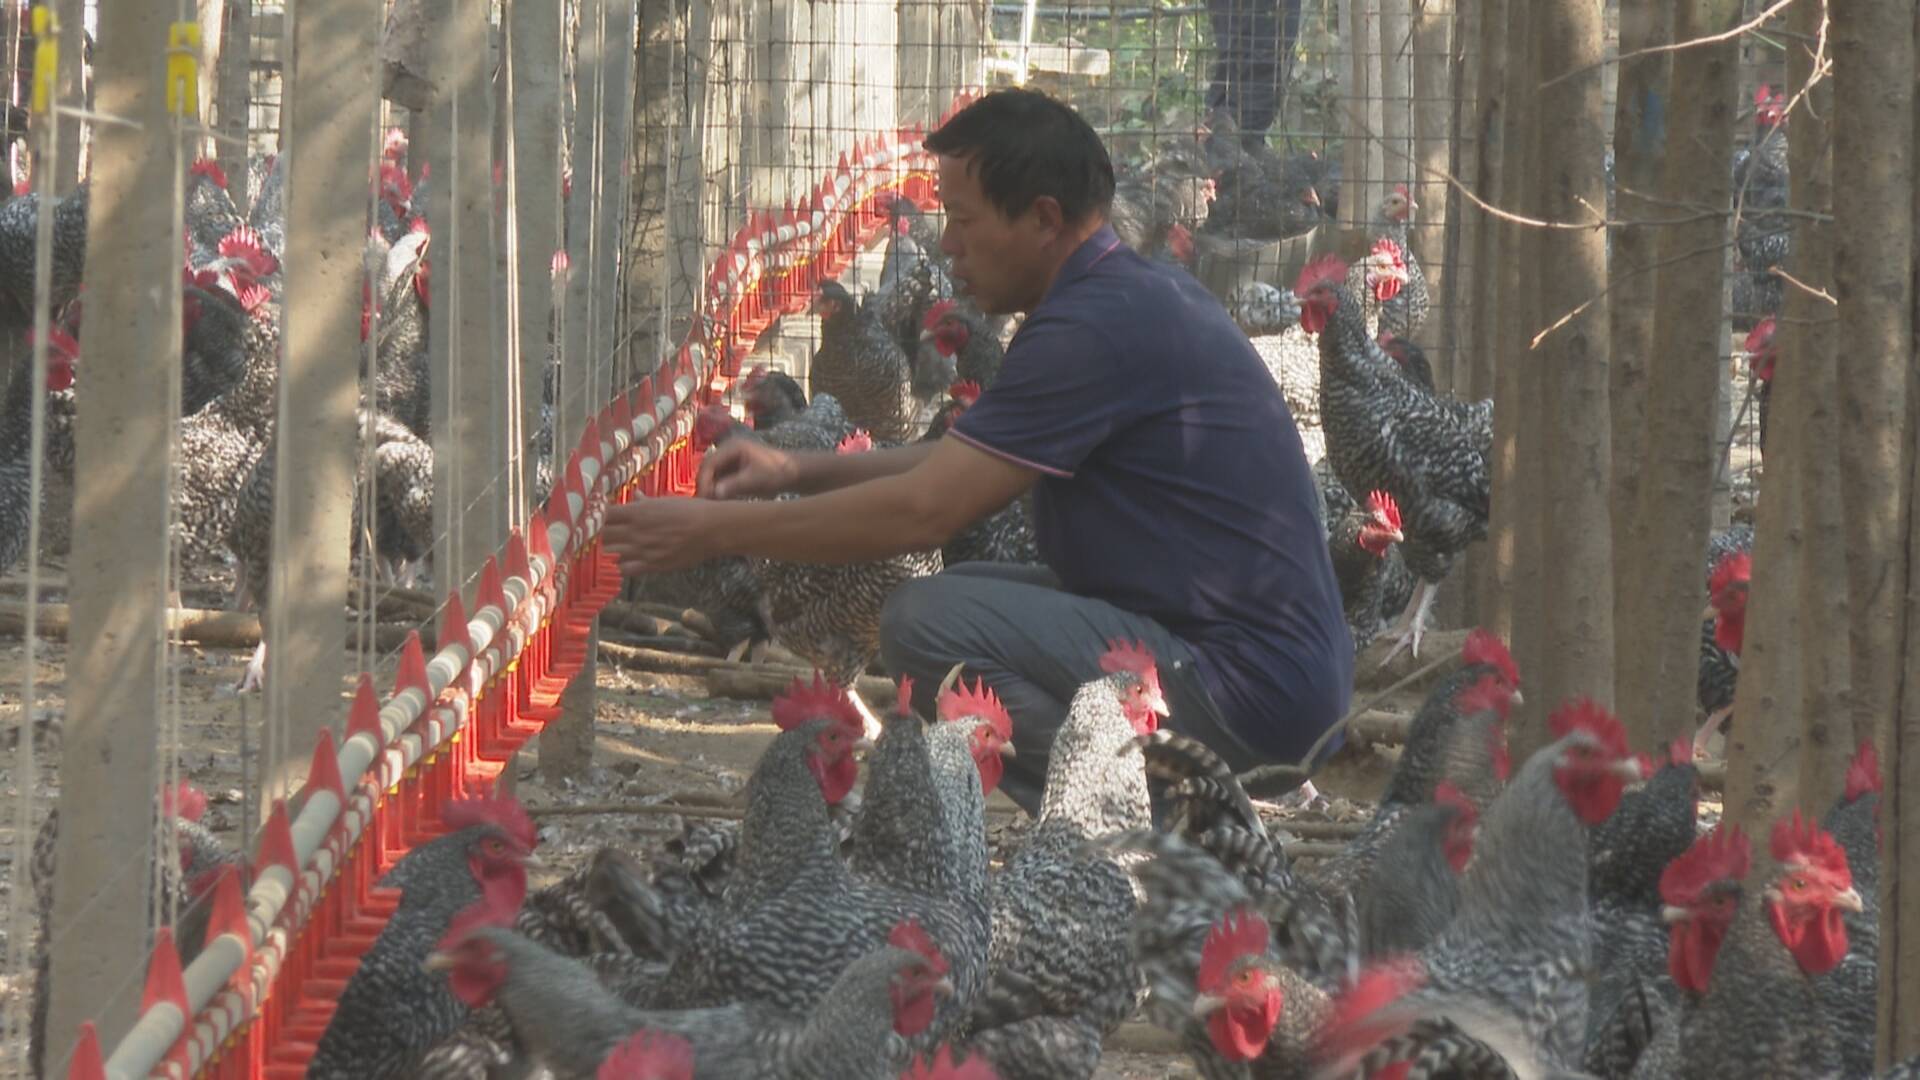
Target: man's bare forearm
[(820, 471)]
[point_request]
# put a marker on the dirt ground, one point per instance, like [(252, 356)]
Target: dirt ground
[(658, 736)]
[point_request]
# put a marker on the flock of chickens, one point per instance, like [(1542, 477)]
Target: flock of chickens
[(1564, 916), (1567, 918)]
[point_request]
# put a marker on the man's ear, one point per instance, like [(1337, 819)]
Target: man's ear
[(1046, 214)]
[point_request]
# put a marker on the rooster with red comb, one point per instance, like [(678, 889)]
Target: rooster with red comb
[(393, 1011)]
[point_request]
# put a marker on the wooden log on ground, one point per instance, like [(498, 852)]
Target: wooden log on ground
[(658, 661), (1368, 675), (762, 683), (692, 646), (632, 618)]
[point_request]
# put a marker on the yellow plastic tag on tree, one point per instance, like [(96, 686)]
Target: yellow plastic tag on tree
[(46, 58), (183, 69)]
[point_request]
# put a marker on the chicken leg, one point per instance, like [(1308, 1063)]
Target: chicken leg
[(1416, 623)]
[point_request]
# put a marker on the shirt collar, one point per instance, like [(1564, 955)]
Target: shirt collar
[(1101, 244)]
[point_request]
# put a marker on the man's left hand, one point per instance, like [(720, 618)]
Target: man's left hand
[(649, 536)]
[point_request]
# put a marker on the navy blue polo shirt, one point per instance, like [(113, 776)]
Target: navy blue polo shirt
[(1173, 485)]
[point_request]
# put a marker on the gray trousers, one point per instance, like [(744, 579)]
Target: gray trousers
[(1035, 645)]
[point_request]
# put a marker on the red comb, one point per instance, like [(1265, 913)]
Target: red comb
[(1128, 656), (209, 169), (966, 391), (1234, 935), (1763, 93), (936, 313), (1732, 569), (1725, 854), (1325, 268), (649, 1055), (1593, 718), (960, 702), (801, 702), (911, 936), (709, 424), (1379, 502), (505, 813), (904, 703), (857, 443), (1447, 793), (1680, 752), (1863, 772), (1798, 839), (1482, 647), (1762, 333), (183, 800)]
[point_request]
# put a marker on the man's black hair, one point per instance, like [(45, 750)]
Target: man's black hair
[(1022, 144)]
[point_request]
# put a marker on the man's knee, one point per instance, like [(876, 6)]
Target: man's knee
[(906, 616)]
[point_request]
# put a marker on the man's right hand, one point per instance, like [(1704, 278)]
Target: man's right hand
[(746, 468)]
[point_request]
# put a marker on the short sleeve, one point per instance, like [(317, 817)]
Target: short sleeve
[(1062, 390)]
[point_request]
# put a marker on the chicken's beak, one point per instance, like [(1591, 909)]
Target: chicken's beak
[(1849, 901), (439, 961), (1396, 536), (1159, 705), (1205, 1005), (1006, 750), (1518, 699), (1708, 612), (862, 745), (1312, 197), (1628, 769), (1671, 915), (943, 989), (532, 861)]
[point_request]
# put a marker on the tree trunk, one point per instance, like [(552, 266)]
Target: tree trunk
[(1639, 157), (1788, 748), (1809, 333), (1900, 817), (1487, 565), (1873, 131), (1667, 532), (1575, 594)]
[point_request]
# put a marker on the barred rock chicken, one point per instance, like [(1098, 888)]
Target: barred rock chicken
[(210, 214), (1755, 1018), (1458, 735), (771, 397), (1216, 972), (1763, 233), (1627, 858), (794, 915), (1762, 353), (1386, 433), (268, 214), (1371, 575), (393, 1011), (1061, 976), (1404, 313), (829, 614), (403, 516), (1699, 892), (1507, 976), (1155, 210), (19, 219), (1261, 195), (203, 858), (1006, 535), (1411, 358), (958, 332), (403, 380), (862, 364), (570, 1025), (1849, 996), (1723, 631), (16, 417), (1428, 853)]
